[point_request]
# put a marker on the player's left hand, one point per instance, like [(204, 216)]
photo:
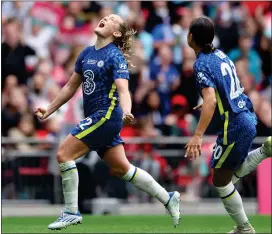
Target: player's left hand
[(197, 107), (128, 118), (193, 148)]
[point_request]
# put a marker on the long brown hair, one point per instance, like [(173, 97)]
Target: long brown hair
[(125, 42)]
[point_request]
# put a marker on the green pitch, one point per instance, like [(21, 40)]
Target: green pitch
[(134, 224)]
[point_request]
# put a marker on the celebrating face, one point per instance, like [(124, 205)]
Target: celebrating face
[(109, 26)]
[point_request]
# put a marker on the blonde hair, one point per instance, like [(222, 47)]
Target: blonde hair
[(125, 42)]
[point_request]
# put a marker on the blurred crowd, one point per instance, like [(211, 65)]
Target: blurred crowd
[(41, 41)]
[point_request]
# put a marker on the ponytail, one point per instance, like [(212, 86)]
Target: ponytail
[(208, 48), (125, 42)]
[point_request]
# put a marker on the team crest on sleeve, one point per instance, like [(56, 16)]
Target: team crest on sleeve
[(241, 104), (123, 66), (201, 77), (100, 63)]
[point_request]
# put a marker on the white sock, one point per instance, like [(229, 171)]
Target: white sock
[(70, 185), (251, 162), (233, 203), (145, 182)]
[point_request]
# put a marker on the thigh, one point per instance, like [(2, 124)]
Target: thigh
[(71, 149), (116, 158)]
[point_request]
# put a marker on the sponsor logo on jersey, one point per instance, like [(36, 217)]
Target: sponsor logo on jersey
[(100, 63), (88, 84), (122, 71), (91, 61), (122, 66), (241, 104), (201, 77)]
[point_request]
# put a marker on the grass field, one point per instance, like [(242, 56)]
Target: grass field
[(134, 224)]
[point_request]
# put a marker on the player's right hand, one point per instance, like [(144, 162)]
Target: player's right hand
[(42, 113)]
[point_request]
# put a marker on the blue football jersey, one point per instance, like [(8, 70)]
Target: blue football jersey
[(99, 68), (216, 70)]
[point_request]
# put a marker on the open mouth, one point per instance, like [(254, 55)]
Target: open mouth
[(101, 25)]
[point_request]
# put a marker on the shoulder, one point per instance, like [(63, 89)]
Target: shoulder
[(202, 69), (200, 64), (115, 55), (85, 51), (113, 51)]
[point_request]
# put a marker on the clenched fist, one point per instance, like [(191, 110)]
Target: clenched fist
[(128, 117), (42, 113)]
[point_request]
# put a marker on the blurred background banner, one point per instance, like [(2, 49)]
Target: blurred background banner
[(264, 187), (40, 44)]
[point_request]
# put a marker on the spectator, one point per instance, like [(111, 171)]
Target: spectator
[(14, 109), (157, 14), (162, 32), (136, 71), (38, 36), (15, 57), (129, 11), (145, 127), (16, 9), (179, 122), (145, 38), (188, 85), (245, 50), (75, 10), (262, 108), (165, 77), (226, 28), (26, 128), (181, 30), (11, 82), (245, 77), (153, 105), (38, 91)]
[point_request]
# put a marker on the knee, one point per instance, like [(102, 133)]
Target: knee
[(120, 171), (220, 181), (61, 156)]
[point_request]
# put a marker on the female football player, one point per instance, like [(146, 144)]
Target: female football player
[(103, 71), (224, 99)]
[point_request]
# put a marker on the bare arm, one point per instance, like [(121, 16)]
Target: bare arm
[(124, 95), (125, 99), (65, 95), (207, 111)]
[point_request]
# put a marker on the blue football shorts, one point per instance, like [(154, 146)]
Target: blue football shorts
[(99, 131), (234, 141)]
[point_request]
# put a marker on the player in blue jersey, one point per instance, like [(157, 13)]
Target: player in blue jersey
[(224, 99), (103, 71)]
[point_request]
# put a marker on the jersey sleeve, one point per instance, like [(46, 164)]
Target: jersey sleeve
[(79, 61), (204, 78), (119, 67)]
